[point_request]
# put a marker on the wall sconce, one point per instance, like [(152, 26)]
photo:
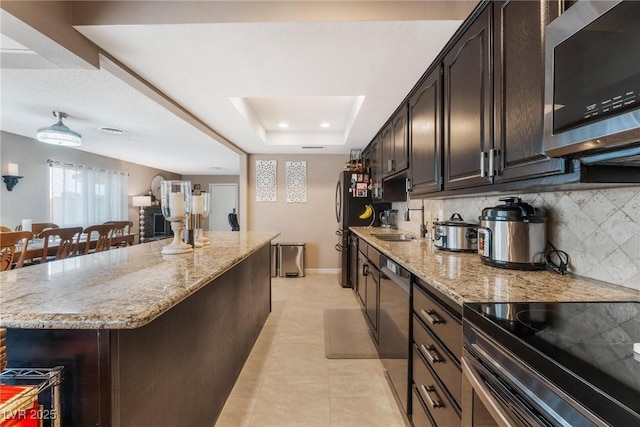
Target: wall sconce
[(12, 176), (141, 202)]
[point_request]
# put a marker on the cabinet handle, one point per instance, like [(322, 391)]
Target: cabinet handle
[(434, 403), (430, 353), (492, 154), (389, 165), (431, 316), (365, 269), (482, 156)]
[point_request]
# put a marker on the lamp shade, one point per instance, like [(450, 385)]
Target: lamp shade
[(141, 201), (59, 134)]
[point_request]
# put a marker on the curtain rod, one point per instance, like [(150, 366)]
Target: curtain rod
[(71, 165)]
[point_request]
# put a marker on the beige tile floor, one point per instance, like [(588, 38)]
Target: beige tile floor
[(287, 381)]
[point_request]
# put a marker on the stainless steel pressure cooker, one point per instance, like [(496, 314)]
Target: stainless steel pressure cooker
[(455, 235), (513, 235)]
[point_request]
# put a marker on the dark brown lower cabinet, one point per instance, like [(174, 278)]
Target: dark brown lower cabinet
[(435, 367)]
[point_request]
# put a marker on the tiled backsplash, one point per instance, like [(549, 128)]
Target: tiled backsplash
[(599, 229)]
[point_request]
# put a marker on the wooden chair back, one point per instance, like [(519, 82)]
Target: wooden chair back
[(69, 238), (4, 229), (38, 227), (120, 229), (104, 238), (8, 250)]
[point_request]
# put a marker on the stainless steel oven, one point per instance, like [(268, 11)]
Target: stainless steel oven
[(551, 364), (592, 83)]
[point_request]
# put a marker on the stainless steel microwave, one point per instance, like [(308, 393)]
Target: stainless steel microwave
[(592, 83)]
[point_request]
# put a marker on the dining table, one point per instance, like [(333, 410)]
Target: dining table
[(35, 245)]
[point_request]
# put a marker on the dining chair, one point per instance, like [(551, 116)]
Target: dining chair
[(120, 232), (38, 227), (103, 243), (67, 245), (8, 248), (4, 229)]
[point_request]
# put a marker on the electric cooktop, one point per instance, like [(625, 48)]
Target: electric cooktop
[(585, 348)]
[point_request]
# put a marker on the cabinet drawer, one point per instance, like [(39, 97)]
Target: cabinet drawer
[(363, 247), (432, 396), (419, 415), (440, 321), (439, 359)]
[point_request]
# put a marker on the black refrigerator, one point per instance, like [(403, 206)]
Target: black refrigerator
[(354, 208)]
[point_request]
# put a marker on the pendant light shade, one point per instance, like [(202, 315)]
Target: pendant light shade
[(59, 134)]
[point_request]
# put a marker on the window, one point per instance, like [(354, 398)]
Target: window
[(84, 195)]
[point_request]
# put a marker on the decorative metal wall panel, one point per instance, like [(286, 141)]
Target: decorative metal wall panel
[(296, 182), (266, 181)]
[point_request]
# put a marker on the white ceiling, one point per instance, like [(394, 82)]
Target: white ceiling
[(240, 75)]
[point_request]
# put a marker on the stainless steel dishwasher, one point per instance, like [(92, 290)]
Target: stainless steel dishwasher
[(393, 326)]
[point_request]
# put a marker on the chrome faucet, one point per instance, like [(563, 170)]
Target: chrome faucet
[(407, 217)]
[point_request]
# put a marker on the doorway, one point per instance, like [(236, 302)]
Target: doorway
[(224, 199)]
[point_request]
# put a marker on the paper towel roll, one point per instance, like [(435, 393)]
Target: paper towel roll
[(26, 225)]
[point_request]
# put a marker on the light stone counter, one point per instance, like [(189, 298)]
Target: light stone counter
[(464, 278), (118, 289)]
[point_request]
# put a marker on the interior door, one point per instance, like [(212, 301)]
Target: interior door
[(224, 199)]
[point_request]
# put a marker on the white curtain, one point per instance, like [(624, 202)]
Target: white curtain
[(84, 195)]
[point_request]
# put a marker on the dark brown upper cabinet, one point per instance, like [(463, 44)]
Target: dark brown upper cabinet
[(395, 144), (425, 134), (375, 170), (519, 89), (468, 107)]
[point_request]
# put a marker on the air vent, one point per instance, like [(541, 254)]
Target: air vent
[(312, 147), (112, 131)]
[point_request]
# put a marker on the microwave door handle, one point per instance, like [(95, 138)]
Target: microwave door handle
[(494, 408)]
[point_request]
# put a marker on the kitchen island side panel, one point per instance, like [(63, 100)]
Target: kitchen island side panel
[(180, 368)]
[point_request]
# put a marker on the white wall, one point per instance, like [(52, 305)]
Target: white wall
[(313, 222)]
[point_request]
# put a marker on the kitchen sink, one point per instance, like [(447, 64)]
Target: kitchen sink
[(394, 237)]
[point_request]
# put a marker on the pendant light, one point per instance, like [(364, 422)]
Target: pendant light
[(59, 134)]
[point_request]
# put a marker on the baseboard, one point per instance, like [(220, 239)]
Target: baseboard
[(322, 270)]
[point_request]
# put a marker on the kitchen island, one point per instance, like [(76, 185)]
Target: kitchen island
[(144, 338)]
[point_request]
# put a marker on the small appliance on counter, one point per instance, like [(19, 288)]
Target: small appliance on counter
[(455, 235), (513, 235), (389, 218)]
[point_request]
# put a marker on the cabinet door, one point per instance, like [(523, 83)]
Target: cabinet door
[(468, 110), (400, 141), (375, 154), (425, 135), (372, 299), (386, 139), (519, 89), (363, 266), (353, 261)]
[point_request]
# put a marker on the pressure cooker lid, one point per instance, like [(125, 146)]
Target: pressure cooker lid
[(456, 221), (514, 209)]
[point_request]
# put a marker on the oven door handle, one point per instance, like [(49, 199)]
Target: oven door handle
[(499, 415)]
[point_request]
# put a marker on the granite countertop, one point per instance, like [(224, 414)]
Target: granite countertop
[(464, 278), (121, 288)]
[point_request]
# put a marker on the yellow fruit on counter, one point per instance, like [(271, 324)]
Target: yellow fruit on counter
[(368, 211)]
